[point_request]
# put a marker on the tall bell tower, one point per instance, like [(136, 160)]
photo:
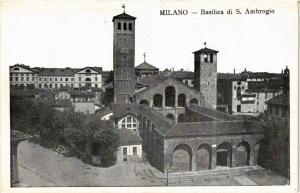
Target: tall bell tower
[(123, 57), (205, 75)]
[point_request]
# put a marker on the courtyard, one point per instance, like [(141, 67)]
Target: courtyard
[(42, 167)]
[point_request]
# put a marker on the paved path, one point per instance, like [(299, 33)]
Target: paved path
[(244, 180), (40, 166)]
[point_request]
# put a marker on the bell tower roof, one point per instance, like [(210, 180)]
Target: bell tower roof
[(206, 50), (123, 16)]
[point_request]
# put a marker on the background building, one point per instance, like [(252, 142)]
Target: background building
[(54, 78)]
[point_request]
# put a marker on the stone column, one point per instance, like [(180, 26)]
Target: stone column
[(252, 161), (213, 156), (233, 161), (194, 164)]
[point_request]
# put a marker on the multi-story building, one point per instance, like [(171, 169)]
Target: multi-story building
[(247, 92), (54, 78)]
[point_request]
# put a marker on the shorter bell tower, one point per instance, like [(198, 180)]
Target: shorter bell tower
[(205, 75)]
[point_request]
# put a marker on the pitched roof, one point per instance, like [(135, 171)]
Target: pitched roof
[(55, 71), (120, 110), (128, 137), (182, 74), (77, 93), (206, 50), (20, 92), (145, 66), (211, 113), (214, 128), (152, 81), (123, 16), (280, 100), (97, 69)]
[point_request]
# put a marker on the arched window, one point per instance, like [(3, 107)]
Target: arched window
[(170, 96), (16, 69), (181, 118), (88, 82), (238, 92), (119, 26), (130, 26), (125, 26), (194, 102), (171, 116), (87, 71), (144, 102), (157, 100), (128, 122), (181, 100)]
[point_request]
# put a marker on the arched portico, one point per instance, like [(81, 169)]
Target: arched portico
[(181, 158), (204, 157)]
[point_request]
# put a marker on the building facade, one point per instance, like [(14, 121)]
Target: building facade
[(55, 78)]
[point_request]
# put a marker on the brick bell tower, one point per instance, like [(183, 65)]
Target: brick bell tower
[(123, 57), (205, 75)]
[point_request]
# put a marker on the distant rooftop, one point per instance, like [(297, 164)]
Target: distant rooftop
[(123, 16), (279, 100), (145, 66), (206, 50)]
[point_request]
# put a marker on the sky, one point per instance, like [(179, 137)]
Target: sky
[(77, 33)]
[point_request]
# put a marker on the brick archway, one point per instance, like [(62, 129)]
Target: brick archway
[(181, 158), (204, 157), (224, 154), (242, 154)]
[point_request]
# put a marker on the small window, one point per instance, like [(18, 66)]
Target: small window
[(96, 85), (125, 26), (16, 78), (134, 150), (27, 78), (124, 150), (96, 78), (72, 79), (128, 125), (11, 78), (134, 125), (130, 26), (134, 120), (67, 79), (32, 78), (128, 119), (79, 78), (123, 125), (60, 79), (22, 78), (211, 57), (205, 58), (123, 121), (119, 26), (45, 79), (40, 86), (17, 69)]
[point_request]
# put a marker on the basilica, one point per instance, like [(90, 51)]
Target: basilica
[(177, 126)]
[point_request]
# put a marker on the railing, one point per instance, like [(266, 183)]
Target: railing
[(189, 178)]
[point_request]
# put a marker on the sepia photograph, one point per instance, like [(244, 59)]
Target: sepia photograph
[(149, 94)]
